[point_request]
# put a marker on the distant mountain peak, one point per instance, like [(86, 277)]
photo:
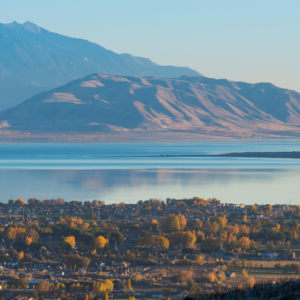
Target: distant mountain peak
[(32, 27), (27, 25), (34, 60)]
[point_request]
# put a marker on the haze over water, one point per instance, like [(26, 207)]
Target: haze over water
[(132, 172)]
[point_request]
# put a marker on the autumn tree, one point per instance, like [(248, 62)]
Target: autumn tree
[(100, 288), (251, 282), (244, 273), (128, 285), (106, 296), (199, 260), (182, 221), (211, 277), (244, 243), (214, 228), (253, 209), (153, 240), (244, 230), (170, 223), (28, 241), (76, 260), (33, 234), (185, 275), (100, 242), (21, 255), (19, 202), (185, 239), (70, 240)]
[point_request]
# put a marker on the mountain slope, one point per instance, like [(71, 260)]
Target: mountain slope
[(33, 60), (105, 103)]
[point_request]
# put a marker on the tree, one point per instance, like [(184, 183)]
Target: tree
[(244, 273), (251, 282), (28, 241), (106, 296), (76, 260), (27, 257), (244, 219), (21, 283), (193, 288), (70, 240), (100, 242), (11, 201), (33, 234), (199, 260), (128, 285), (244, 243), (116, 237), (19, 202), (186, 239), (214, 228), (21, 255), (91, 216), (182, 221), (211, 277), (244, 230), (81, 245), (153, 240), (270, 246), (253, 209), (185, 275), (170, 223), (100, 288)]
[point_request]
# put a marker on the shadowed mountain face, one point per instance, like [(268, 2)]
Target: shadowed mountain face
[(33, 60), (106, 103)]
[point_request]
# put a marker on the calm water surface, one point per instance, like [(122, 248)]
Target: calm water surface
[(132, 172)]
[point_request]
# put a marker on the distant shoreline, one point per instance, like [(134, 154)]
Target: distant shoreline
[(292, 155)]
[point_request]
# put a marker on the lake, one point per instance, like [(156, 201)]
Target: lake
[(132, 172)]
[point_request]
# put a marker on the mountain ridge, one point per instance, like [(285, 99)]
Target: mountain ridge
[(34, 59), (103, 104)]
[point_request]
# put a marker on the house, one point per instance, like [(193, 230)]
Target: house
[(269, 255), (230, 274)]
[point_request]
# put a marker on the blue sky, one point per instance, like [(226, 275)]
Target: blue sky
[(250, 41)]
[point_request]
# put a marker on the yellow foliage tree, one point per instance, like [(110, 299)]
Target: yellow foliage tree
[(28, 241), (211, 277), (100, 242), (244, 243), (251, 282), (244, 273), (182, 221), (244, 230), (199, 260), (185, 275), (100, 288), (170, 223), (70, 240), (186, 238), (153, 240), (21, 255)]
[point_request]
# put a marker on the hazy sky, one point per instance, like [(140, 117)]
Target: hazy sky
[(250, 41)]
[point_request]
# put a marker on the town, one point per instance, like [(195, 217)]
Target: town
[(152, 249)]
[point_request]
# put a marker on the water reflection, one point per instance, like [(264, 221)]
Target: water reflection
[(236, 185)]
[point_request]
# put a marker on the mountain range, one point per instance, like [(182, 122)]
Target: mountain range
[(33, 60), (102, 103)]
